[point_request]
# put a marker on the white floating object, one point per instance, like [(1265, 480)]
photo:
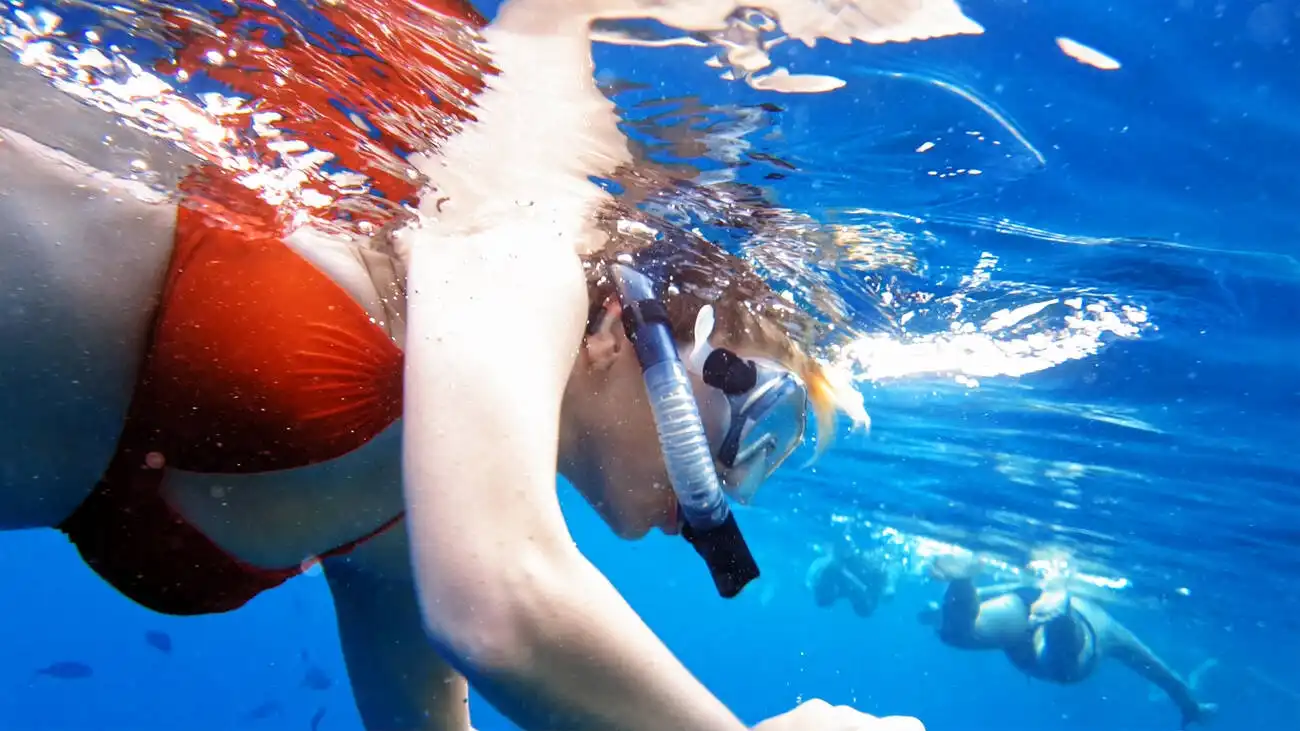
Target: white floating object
[(1086, 55), (783, 81)]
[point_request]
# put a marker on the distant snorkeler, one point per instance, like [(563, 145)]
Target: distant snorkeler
[(862, 576), (1046, 633)]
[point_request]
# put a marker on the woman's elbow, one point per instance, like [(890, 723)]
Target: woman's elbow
[(491, 622)]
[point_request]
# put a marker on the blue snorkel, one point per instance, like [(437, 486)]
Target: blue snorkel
[(710, 527)]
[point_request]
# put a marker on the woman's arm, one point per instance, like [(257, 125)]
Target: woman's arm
[(495, 320), (399, 680)]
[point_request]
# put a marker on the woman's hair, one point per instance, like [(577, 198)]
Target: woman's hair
[(747, 312)]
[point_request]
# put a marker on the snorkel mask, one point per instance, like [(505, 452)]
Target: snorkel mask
[(766, 407), (766, 411)]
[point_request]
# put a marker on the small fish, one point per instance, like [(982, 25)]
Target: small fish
[(316, 679), (66, 670), (160, 641), (264, 711), (764, 157), (316, 719)]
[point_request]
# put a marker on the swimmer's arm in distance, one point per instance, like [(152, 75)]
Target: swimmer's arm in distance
[(494, 324), (1117, 641), (398, 679)]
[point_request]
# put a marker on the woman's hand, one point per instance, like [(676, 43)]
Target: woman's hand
[(820, 715)]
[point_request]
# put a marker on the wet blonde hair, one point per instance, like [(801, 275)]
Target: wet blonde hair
[(747, 312)]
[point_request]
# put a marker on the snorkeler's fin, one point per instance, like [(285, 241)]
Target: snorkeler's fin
[(1195, 679)]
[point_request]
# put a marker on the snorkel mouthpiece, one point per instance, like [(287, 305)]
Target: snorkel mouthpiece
[(710, 526), (724, 550)]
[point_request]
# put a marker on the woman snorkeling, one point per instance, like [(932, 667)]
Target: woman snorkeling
[(240, 401)]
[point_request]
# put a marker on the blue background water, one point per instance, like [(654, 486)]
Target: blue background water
[(1183, 164)]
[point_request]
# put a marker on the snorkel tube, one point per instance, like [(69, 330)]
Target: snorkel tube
[(710, 527)]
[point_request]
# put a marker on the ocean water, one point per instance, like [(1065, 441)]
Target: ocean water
[(1086, 349)]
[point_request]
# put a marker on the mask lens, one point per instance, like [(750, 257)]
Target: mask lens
[(742, 481), (767, 425)]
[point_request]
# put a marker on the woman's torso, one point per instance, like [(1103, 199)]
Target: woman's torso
[(87, 258)]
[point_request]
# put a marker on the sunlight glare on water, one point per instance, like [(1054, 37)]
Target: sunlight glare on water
[(267, 92)]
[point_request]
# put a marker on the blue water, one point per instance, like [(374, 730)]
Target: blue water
[(1165, 458)]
